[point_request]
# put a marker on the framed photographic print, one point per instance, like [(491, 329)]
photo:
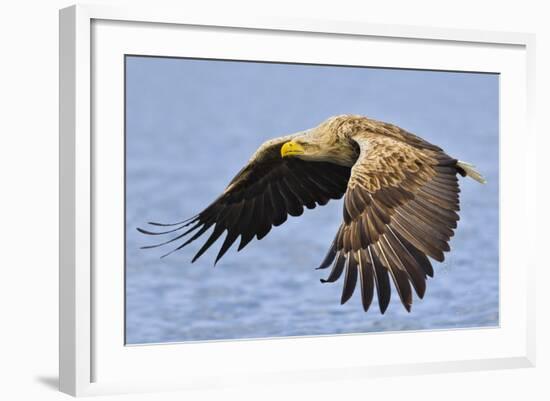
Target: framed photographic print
[(268, 200)]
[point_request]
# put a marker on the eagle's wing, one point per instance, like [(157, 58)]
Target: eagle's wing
[(400, 207), (260, 196)]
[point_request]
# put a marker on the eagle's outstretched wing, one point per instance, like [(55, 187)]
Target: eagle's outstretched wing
[(400, 207), (260, 196)]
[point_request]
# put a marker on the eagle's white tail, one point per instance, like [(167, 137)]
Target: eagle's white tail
[(471, 171)]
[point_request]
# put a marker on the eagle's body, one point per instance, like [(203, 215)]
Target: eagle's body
[(400, 205)]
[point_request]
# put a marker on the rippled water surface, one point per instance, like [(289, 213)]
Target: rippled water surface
[(192, 124)]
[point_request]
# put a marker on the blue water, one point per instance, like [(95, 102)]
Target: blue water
[(192, 124)]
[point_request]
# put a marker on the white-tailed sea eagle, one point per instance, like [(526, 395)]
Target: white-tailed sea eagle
[(400, 202)]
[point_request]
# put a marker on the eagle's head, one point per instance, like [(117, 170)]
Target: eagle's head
[(322, 143)]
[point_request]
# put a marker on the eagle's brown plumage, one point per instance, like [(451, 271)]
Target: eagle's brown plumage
[(400, 204)]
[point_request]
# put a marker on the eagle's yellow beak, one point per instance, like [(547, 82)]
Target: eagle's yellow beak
[(292, 148)]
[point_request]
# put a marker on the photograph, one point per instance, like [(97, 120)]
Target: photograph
[(270, 199)]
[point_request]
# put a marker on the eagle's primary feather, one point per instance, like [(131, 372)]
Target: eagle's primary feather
[(400, 207)]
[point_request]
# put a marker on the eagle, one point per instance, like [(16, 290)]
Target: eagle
[(400, 207)]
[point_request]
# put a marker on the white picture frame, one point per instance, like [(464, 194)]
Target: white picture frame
[(93, 360)]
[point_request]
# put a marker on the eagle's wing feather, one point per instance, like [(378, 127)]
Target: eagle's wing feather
[(400, 207), (260, 196)]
